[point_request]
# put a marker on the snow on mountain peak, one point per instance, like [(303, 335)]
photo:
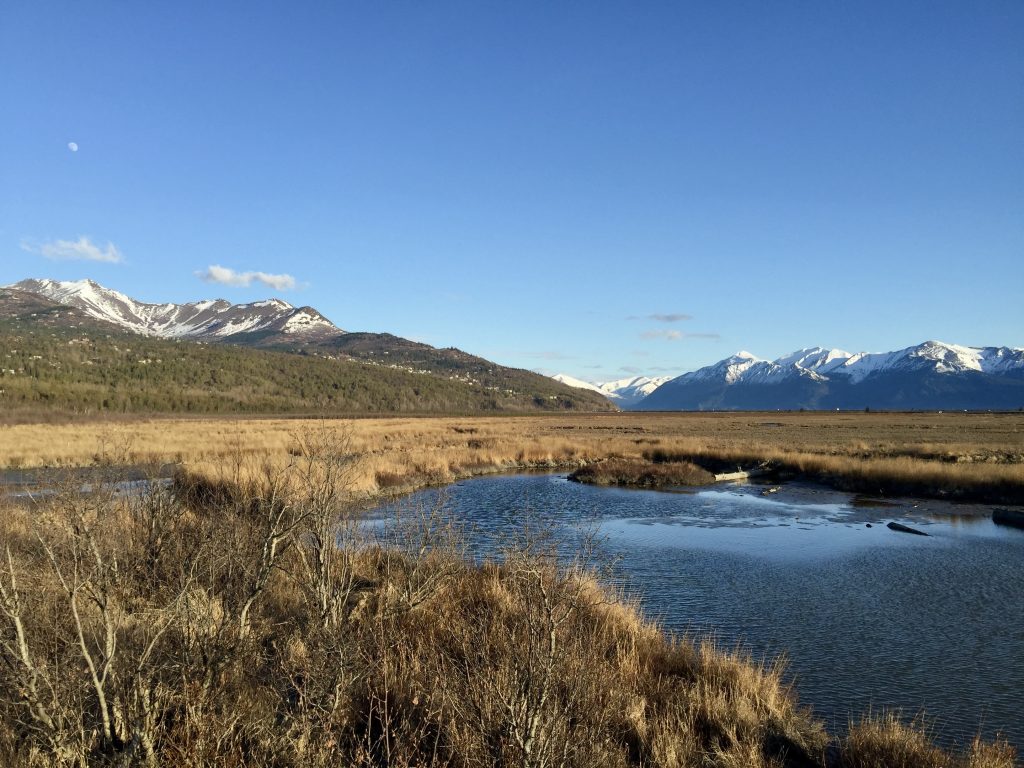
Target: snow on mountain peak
[(733, 368), (949, 357), (276, 303)]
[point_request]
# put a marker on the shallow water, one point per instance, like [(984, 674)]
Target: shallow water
[(35, 485), (867, 617)]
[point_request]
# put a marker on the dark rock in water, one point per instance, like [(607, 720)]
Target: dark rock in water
[(904, 529), (867, 525), (1011, 517)]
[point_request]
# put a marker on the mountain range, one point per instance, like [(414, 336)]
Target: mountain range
[(79, 345), (932, 376)]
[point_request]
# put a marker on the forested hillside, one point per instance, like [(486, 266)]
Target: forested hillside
[(90, 369)]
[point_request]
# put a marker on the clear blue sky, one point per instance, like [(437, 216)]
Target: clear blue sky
[(534, 182)]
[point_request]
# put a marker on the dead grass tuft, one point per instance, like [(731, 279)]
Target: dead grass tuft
[(885, 740)]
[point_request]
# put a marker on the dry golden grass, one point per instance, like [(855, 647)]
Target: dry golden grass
[(964, 455), (251, 622)]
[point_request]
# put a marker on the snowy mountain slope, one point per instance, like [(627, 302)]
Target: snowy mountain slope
[(213, 320), (570, 381), (629, 392)]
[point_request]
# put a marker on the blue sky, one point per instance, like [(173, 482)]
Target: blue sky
[(596, 188)]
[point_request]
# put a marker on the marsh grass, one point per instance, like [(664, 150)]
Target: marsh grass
[(252, 622), (959, 456)]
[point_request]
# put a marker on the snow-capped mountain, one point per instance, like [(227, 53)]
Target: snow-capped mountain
[(929, 375), (623, 392), (213, 320)]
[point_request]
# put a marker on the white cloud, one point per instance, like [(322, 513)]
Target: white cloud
[(72, 146), (82, 249), (225, 276)]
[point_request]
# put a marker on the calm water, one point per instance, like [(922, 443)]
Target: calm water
[(866, 616)]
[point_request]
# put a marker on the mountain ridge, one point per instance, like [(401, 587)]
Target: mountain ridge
[(372, 372), (930, 375), (208, 319)]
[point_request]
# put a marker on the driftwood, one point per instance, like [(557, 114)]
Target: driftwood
[(905, 529), (743, 474)]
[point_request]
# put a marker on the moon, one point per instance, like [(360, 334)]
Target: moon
[(72, 146)]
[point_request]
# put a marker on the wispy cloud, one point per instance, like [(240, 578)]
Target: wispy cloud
[(663, 317), (674, 317), (668, 335), (630, 369), (225, 276), (549, 355), (673, 335), (82, 249)]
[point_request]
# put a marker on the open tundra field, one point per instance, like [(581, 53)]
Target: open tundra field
[(957, 455)]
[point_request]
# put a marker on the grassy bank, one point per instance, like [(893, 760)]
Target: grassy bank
[(642, 474), (967, 456), (251, 623)]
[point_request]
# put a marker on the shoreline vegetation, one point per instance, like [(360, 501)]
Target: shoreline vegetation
[(247, 619), (640, 473)]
